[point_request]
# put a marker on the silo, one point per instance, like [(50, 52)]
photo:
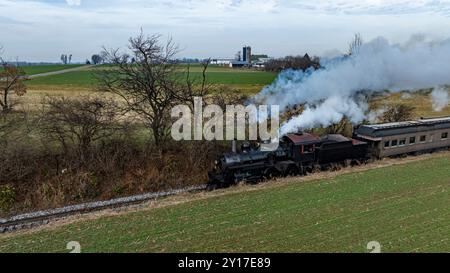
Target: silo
[(244, 54), (249, 55)]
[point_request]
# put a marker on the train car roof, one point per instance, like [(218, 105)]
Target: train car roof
[(405, 127), (333, 138), (302, 138)]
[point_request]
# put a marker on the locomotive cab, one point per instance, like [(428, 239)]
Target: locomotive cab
[(302, 147)]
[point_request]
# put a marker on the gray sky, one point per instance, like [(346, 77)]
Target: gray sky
[(43, 30)]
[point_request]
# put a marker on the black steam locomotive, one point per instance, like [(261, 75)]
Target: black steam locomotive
[(298, 154)]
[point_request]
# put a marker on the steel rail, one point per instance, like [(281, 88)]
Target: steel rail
[(43, 217)]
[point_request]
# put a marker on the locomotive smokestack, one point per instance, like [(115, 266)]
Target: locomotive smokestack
[(233, 146)]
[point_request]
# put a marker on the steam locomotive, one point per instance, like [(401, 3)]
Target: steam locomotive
[(298, 154)]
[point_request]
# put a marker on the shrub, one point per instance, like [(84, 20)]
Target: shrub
[(7, 198), (398, 112)]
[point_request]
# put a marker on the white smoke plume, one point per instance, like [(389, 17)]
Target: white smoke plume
[(374, 116), (439, 99), (406, 96), (344, 86)]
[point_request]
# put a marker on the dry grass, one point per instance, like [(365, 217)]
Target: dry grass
[(420, 100)]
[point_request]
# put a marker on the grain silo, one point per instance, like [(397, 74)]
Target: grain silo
[(247, 54)]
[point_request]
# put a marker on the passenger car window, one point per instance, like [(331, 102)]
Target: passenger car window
[(423, 138), (402, 142), (386, 144), (412, 140), (444, 135), (394, 142)]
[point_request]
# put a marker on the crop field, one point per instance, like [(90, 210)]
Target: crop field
[(74, 79), (86, 78), (405, 207), (38, 69)]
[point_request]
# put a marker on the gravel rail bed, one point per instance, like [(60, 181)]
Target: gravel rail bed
[(32, 219)]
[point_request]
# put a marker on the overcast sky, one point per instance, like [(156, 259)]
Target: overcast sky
[(43, 30)]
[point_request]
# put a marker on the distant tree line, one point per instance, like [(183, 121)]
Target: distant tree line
[(256, 57), (293, 62)]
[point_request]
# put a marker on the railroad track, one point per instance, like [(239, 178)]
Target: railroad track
[(29, 220)]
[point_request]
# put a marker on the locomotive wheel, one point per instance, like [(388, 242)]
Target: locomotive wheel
[(335, 167), (303, 171), (271, 173), (347, 163), (316, 169), (309, 169), (356, 162), (292, 171)]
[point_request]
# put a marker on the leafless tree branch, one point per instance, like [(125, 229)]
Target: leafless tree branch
[(149, 82)]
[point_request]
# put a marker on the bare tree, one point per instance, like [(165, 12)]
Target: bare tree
[(13, 126), (398, 112), (355, 44), (11, 82), (152, 84), (224, 95), (343, 127), (5, 128), (96, 59), (66, 59), (195, 87), (78, 122)]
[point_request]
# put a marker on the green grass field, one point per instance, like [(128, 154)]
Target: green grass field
[(74, 78), (38, 69), (86, 78), (406, 208)]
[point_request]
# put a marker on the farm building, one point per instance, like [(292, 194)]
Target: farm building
[(235, 64), (224, 62)]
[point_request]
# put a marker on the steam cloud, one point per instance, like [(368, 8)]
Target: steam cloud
[(344, 86), (439, 99)]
